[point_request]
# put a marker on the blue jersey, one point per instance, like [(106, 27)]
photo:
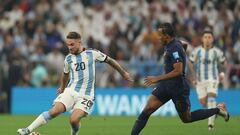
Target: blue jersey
[(82, 71), (176, 88), (174, 53)]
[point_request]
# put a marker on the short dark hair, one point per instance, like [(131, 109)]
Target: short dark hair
[(167, 29), (73, 35), (207, 30)]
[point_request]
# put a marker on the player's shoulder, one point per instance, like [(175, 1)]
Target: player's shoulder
[(197, 49), (91, 50), (173, 46), (68, 56), (95, 52), (217, 49)]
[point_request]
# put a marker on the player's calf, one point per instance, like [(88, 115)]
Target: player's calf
[(75, 124), (74, 129), (203, 102)]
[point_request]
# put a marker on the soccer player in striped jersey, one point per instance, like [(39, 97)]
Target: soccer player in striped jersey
[(76, 94), (207, 59)]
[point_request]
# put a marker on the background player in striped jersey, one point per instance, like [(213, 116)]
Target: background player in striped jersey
[(207, 60), (78, 94)]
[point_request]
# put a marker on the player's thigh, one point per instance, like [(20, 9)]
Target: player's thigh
[(161, 93), (203, 101), (182, 105), (212, 89), (76, 115), (66, 99), (57, 109), (181, 100), (83, 103), (201, 90), (152, 105)]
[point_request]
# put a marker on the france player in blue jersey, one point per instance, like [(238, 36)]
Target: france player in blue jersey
[(76, 94), (173, 85)]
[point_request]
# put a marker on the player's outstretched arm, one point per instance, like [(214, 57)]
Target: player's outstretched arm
[(63, 82), (119, 68), (178, 68)]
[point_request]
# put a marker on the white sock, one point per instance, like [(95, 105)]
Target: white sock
[(211, 104), (40, 120)]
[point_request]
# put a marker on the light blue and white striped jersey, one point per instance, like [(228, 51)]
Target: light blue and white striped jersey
[(82, 71), (206, 63)]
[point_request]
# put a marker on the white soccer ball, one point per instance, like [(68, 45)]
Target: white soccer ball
[(34, 133)]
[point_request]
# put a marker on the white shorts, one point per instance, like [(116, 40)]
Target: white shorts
[(72, 100), (205, 87)]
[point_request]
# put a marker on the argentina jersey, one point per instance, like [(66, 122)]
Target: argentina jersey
[(82, 71), (206, 63)]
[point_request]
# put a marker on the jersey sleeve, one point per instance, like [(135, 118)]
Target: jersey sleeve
[(221, 57), (175, 55), (193, 56), (66, 66), (99, 56)]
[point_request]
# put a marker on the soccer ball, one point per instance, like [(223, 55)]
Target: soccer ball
[(34, 133)]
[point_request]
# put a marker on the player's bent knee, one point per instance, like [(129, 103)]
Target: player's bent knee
[(149, 110), (212, 94), (57, 109), (186, 120), (54, 113), (203, 102), (74, 121), (75, 124)]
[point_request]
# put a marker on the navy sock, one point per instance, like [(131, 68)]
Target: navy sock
[(203, 114), (75, 127), (140, 123)]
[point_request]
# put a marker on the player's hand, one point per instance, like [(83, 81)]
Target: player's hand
[(150, 80), (128, 77), (221, 76)]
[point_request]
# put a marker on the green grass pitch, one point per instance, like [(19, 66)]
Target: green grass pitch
[(96, 125)]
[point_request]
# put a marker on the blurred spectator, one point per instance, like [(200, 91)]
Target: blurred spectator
[(39, 75), (54, 64), (55, 60), (237, 49), (31, 32)]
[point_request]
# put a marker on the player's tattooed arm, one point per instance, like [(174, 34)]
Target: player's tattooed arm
[(64, 81), (119, 68)]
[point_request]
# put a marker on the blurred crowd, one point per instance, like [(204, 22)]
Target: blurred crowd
[(32, 34)]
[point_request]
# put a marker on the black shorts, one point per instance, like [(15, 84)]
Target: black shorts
[(177, 91)]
